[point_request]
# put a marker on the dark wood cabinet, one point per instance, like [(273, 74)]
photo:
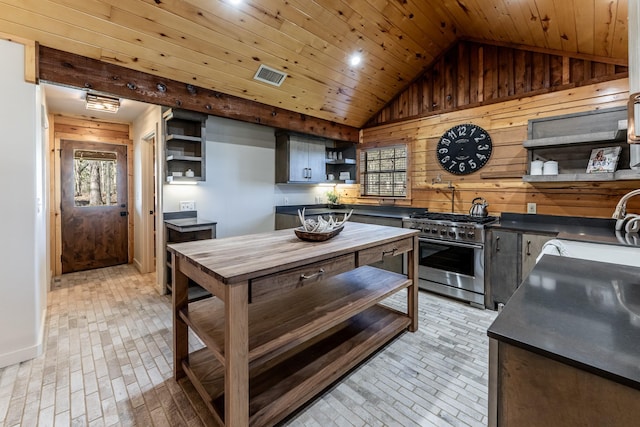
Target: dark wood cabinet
[(186, 227), (502, 267), (300, 159), (184, 145), (509, 258)]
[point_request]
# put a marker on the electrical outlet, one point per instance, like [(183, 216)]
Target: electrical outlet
[(189, 205), (531, 208)]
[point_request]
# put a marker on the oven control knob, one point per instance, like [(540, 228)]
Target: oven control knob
[(434, 231), (443, 232), (471, 234), (452, 234)]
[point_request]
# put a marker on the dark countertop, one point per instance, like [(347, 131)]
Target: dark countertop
[(189, 224), (582, 313), (596, 230), (379, 211)]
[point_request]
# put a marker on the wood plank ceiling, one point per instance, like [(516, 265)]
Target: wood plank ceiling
[(216, 45)]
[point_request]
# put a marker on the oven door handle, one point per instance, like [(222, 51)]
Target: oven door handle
[(451, 243)]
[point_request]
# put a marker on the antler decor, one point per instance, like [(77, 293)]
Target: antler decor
[(321, 225)]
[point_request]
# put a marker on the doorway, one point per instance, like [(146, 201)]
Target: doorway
[(93, 205)]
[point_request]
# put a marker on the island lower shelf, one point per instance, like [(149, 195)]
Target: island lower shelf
[(279, 387), (280, 323)]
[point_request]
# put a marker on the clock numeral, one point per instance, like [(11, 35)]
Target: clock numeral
[(453, 163), (481, 157), (483, 147), (461, 167), (452, 134), (462, 131), (445, 141), (445, 159), (473, 130), (481, 137), (472, 164), (443, 150)]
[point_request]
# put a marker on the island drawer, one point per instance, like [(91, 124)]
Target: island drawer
[(275, 284), (377, 253)]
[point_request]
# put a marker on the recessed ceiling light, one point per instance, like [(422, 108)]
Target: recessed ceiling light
[(235, 2), (355, 59)]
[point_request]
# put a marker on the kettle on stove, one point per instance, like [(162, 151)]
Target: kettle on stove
[(479, 207)]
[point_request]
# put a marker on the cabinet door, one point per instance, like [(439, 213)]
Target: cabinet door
[(298, 160), (317, 162), (531, 247), (286, 221), (502, 275)]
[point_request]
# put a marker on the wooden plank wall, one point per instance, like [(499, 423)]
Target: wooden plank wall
[(80, 129), (471, 73), (500, 181)]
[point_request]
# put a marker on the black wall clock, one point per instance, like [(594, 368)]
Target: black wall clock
[(464, 149)]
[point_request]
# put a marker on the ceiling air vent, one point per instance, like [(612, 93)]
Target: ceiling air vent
[(269, 75)]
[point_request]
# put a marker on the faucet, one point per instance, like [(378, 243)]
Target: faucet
[(620, 213), (450, 186)]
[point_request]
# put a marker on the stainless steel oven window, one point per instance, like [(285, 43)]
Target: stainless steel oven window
[(443, 256)]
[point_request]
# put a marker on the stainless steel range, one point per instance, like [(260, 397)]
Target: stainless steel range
[(451, 254)]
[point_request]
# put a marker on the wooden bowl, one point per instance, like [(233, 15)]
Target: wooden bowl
[(317, 237)]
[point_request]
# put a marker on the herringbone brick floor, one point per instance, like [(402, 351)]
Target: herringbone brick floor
[(107, 362)]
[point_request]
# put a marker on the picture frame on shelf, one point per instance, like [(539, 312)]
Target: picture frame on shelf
[(603, 160)]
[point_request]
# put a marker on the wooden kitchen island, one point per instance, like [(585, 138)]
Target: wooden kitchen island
[(288, 318)]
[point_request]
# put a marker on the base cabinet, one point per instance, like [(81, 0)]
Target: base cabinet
[(509, 258), (535, 391), (186, 229), (530, 247), (502, 274)]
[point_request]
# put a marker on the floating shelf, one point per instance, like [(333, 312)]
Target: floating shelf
[(624, 174), (341, 162), (559, 141)]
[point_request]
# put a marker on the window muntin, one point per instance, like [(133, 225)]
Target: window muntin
[(383, 171)]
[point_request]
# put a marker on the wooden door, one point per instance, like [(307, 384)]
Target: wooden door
[(93, 205)]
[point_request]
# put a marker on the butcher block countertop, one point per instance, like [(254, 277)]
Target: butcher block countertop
[(240, 258)]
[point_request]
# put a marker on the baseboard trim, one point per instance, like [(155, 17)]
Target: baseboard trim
[(26, 353), (138, 265)]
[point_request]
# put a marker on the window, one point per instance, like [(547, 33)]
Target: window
[(95, 178), (383, 171)]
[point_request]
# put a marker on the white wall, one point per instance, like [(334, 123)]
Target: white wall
[(240, 191), (23, 253)]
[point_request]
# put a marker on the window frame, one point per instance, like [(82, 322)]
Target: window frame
[(363, 154)]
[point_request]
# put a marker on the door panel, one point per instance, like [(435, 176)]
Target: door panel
[(93, 205)]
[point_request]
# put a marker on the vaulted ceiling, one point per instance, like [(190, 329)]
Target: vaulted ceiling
[(216, 45)]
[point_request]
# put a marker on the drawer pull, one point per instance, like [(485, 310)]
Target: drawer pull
[(312, 276), (390, 252), (528, 247)]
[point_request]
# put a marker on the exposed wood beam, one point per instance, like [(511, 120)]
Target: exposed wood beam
[(64, 68), (583, 56)]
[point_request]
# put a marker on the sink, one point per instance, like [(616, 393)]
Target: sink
[(615, 254)]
